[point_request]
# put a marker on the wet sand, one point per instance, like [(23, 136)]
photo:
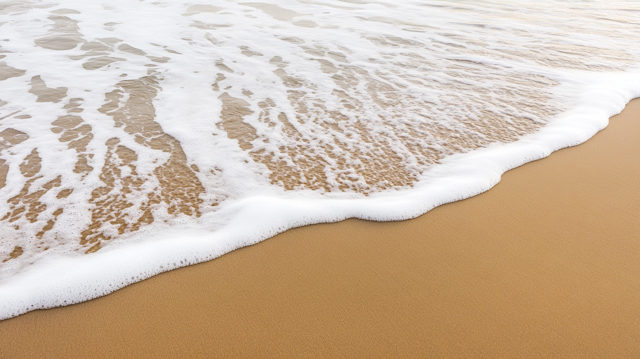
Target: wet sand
[(546, 264)]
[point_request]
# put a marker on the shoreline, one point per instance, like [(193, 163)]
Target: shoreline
[(546, 263)]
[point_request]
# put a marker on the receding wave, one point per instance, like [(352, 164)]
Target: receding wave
[(125, 125)]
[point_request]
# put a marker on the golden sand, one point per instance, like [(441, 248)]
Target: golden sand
[(546, 264)]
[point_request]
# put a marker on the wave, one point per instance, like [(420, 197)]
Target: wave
[(139, 137)]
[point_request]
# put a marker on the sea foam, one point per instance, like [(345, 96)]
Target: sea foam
[(139, 137)]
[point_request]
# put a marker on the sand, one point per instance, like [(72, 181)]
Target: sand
[(546, 264)]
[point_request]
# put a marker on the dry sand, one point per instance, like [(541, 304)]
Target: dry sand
[(546, 264)]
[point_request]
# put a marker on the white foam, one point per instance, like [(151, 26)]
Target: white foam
[(539, 43)]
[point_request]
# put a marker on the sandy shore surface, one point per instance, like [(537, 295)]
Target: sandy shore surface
[(546, 264)]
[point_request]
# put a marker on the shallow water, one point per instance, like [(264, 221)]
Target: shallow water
[(176, 131)]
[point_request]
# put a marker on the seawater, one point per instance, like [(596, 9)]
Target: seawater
[(141, 136)]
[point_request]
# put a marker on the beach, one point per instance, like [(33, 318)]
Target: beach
[(544, 265), (288, 178), (138, 147)]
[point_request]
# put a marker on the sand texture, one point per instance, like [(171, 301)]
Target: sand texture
[(544, 265)]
